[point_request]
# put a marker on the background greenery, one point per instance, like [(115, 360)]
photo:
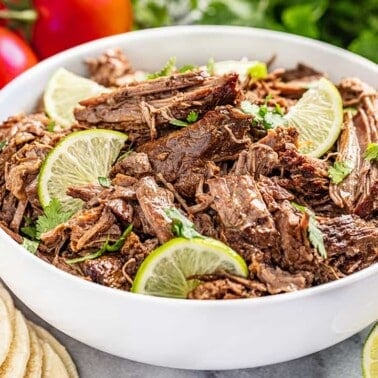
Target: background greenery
[(352, 24)]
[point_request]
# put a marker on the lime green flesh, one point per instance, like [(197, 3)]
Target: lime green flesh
[(370, 354), (318, 117), (63, 93), (166, 270), (79, 159)]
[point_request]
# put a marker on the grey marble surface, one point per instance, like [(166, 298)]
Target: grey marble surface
[(340, 361)]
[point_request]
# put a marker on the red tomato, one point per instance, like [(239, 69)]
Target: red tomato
[(15, 56), (63, 24)]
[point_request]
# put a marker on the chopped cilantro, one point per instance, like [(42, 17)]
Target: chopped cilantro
[(314, 233), (167, 70), (187, 68), (106, 247), (191, 118), (339, 171), (179, 123), (3, 144), (181, 225), (351, 109), (52, 217), (264, 115), (210, 66), (258, 71), (371, 152), (104, 181), (29, 229), (51, 126), (30, 245)]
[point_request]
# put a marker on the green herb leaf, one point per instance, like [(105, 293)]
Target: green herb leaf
[(51, 126), (167, 70), (106, 247), (30, 245), (52, 217), (178, 122), (263, 115), (258, 71), (192, 117), (339, 171), (371, 152), (314, 234), (181, 225), (3, 144), (104, 181), (30, 231), (187, 68), (210, 66)]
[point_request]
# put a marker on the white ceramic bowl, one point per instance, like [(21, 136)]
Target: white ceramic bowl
[(183, 333)]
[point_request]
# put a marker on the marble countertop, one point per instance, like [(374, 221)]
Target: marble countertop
[(339, 361)]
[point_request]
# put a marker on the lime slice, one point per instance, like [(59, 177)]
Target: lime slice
[(166, 270), (78, 159), (63, 93), (318, 117), (370, 354)]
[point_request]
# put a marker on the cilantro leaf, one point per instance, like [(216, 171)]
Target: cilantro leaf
[(30, 245), (371, 152), (104, 181), (339, 171), (264, 115), (181, 225), (178, 122), (187, 68), (167, 70), (3, 144), (52, 217), (51, 126), (210, 66), (314, 233), (192, 116), (106, 247)]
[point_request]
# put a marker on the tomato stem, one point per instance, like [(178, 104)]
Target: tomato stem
[(28, 15)]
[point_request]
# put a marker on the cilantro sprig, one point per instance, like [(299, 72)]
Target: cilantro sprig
[(264, 115), (181, 225), (371, 152), (314, 233), (191, 118), (339, 171), (106, 247), (3, 144), (167, 70)]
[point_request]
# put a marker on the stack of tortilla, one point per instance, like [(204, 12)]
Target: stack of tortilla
[(27, 350)]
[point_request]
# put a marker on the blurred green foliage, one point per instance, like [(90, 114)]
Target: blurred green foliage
[(351, 24)]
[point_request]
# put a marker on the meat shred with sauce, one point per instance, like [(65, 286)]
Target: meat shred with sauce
[(235, 181)]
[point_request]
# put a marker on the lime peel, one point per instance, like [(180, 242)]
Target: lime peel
[(370, 354), (318, 117), (78, 159), (166, 270)]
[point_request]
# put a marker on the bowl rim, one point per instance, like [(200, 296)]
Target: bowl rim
[(191, 29)]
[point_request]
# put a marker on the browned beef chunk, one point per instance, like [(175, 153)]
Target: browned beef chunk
[(358, 192), (135, 164), (91, 228), (107, 270), (142, 108), (302, 72), (230, 287), (353, 90), (182, 156), (109, 68), (307, 177), (280, 281), (153, 202), (243, 213)]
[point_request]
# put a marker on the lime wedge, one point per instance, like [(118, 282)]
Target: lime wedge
[(370, 354), (63, 93), (318, 117), (166, 270), (78, 159)]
